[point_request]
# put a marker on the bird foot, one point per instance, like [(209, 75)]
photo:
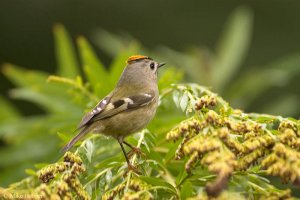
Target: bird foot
[(136, 150), (131, 168)]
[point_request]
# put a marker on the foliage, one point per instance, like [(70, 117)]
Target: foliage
[(218, 150), (33, 139), (222, 152)]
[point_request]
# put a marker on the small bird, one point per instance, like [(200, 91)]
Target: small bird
[(128, 108)]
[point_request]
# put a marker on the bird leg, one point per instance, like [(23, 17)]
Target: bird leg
[(134, 150), (130, 166)]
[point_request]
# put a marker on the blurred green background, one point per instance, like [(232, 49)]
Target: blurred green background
[(26, 32), (248, 51)]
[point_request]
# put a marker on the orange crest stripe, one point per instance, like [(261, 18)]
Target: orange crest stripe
[(137, 57)]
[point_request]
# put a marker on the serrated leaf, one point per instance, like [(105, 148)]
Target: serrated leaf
[(159, 182), (108, 176), (186, 190), (176, 97), (89, 147), (184, 101)]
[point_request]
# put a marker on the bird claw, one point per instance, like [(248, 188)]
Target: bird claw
[(131, 168), (136, 150)]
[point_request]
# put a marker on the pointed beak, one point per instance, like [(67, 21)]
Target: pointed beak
[(160, 65)]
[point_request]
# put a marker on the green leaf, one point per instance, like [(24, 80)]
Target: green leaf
[(186, 190), (51, 103), (64, 137), (169, 76), (184, 101), (94, 69), (176, 98), (8, 111), (24, 78), (233, 46), (159, 182), (35, 88), (30, 172), (65, 53)]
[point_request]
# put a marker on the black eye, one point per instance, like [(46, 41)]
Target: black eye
[(152, 66)]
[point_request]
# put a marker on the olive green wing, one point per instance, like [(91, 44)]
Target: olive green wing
[(98, 109), (125, 104)]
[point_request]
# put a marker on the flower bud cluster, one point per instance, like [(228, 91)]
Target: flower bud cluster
[(258, 142), (206, 101), (235, 146), (290, 125), (290, 138), (188, 128), (68, 171), (235, 125), (134, 186), (225, 195), (283, 162), (276, 195), (221, 163), (246, 161), (73, 182), (70, 160)]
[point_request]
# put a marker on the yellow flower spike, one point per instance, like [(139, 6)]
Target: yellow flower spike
[(207, 144), (114, 192), (283, 162), (251, 134), (135, 185), (190, 163), (288, 124), (212, 117), (70, 157), (249, 159), (76, 186), (62, 188), (222, 164), (223, 133), (258, 142), (43, 190), (173, 135), (205, 101), (54, 196), (184, 129), (290, 138)]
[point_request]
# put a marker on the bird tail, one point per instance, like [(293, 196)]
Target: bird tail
[(75, 139)]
